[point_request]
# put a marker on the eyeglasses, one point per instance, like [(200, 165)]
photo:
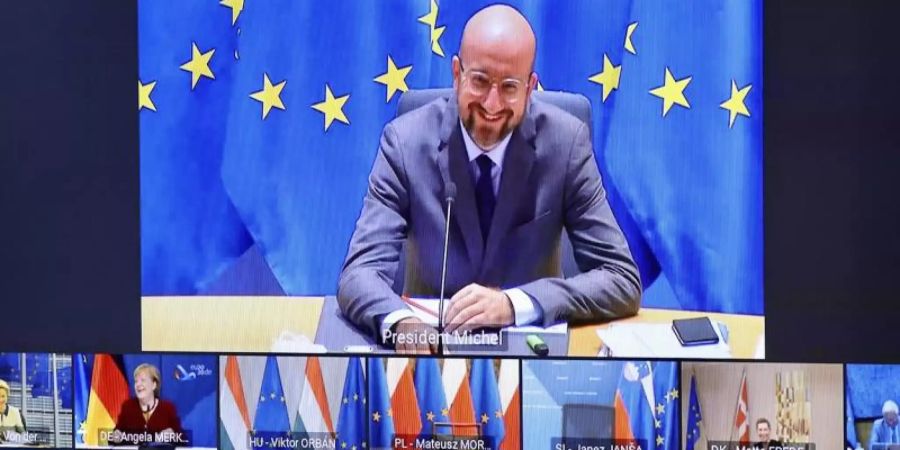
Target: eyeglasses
[(479, 84)]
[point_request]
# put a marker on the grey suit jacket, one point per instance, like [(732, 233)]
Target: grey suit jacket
[(550, 182), (880, 435)]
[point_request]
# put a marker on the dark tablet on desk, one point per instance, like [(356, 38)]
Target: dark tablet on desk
[(696, 331)]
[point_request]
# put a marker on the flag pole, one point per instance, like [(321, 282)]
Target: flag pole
[(53, 367), (23, 382)]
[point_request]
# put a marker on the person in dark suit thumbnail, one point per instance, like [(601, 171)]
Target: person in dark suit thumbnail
[(523, 172)]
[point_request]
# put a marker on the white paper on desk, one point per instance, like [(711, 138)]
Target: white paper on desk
[(426, 310), (657, 340), (290, 342)]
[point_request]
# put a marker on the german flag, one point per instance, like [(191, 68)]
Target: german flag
[(109, 389)]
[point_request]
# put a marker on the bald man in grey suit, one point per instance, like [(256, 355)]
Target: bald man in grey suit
[(523, 171)]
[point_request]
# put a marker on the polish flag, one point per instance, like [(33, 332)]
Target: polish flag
[(510, 397), (404, 406), (457, 392), (741, 414)]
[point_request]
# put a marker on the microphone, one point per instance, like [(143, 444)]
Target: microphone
[(451, 197)]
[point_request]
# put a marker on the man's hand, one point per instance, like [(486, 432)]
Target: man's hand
[(411, 335), (476, 306)]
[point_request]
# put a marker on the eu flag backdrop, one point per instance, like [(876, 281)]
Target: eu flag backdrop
[(260, 122)]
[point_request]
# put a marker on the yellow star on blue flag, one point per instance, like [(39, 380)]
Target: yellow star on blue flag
[(269, 96), (332, 107), (394, 79), (198, 65)]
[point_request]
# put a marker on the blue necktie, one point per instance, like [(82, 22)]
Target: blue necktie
[(484, 194)]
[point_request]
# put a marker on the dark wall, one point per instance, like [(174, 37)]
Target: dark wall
[(69, 218)]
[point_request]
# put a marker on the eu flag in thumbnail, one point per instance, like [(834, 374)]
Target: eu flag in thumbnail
[(64, 386), (381, 420), (271, 409), (39, 373), (486, 401), (351, 427), (82, 393), (10, 364), (433, 405), (695, 417), (668, 406)]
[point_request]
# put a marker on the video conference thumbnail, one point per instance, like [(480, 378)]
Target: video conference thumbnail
[(145, 400), (289, 402), (427, 403), (575, 404), (731, 406), (873, 392), (322, 403), (35, 399), (291, 187)]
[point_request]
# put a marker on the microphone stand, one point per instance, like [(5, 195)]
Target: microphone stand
[(451, 196)]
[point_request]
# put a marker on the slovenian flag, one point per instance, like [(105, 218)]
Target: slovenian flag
[(635, 403)]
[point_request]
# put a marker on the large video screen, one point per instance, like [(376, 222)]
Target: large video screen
[(448, 225), (424, 176)]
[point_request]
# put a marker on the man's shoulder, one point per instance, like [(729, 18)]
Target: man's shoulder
[(551, 119)]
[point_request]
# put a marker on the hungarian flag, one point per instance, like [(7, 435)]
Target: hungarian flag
[(404, 407), (459, 396), (234, 412), (314, 415), (741, 414), (510, 397), (109, 389)]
